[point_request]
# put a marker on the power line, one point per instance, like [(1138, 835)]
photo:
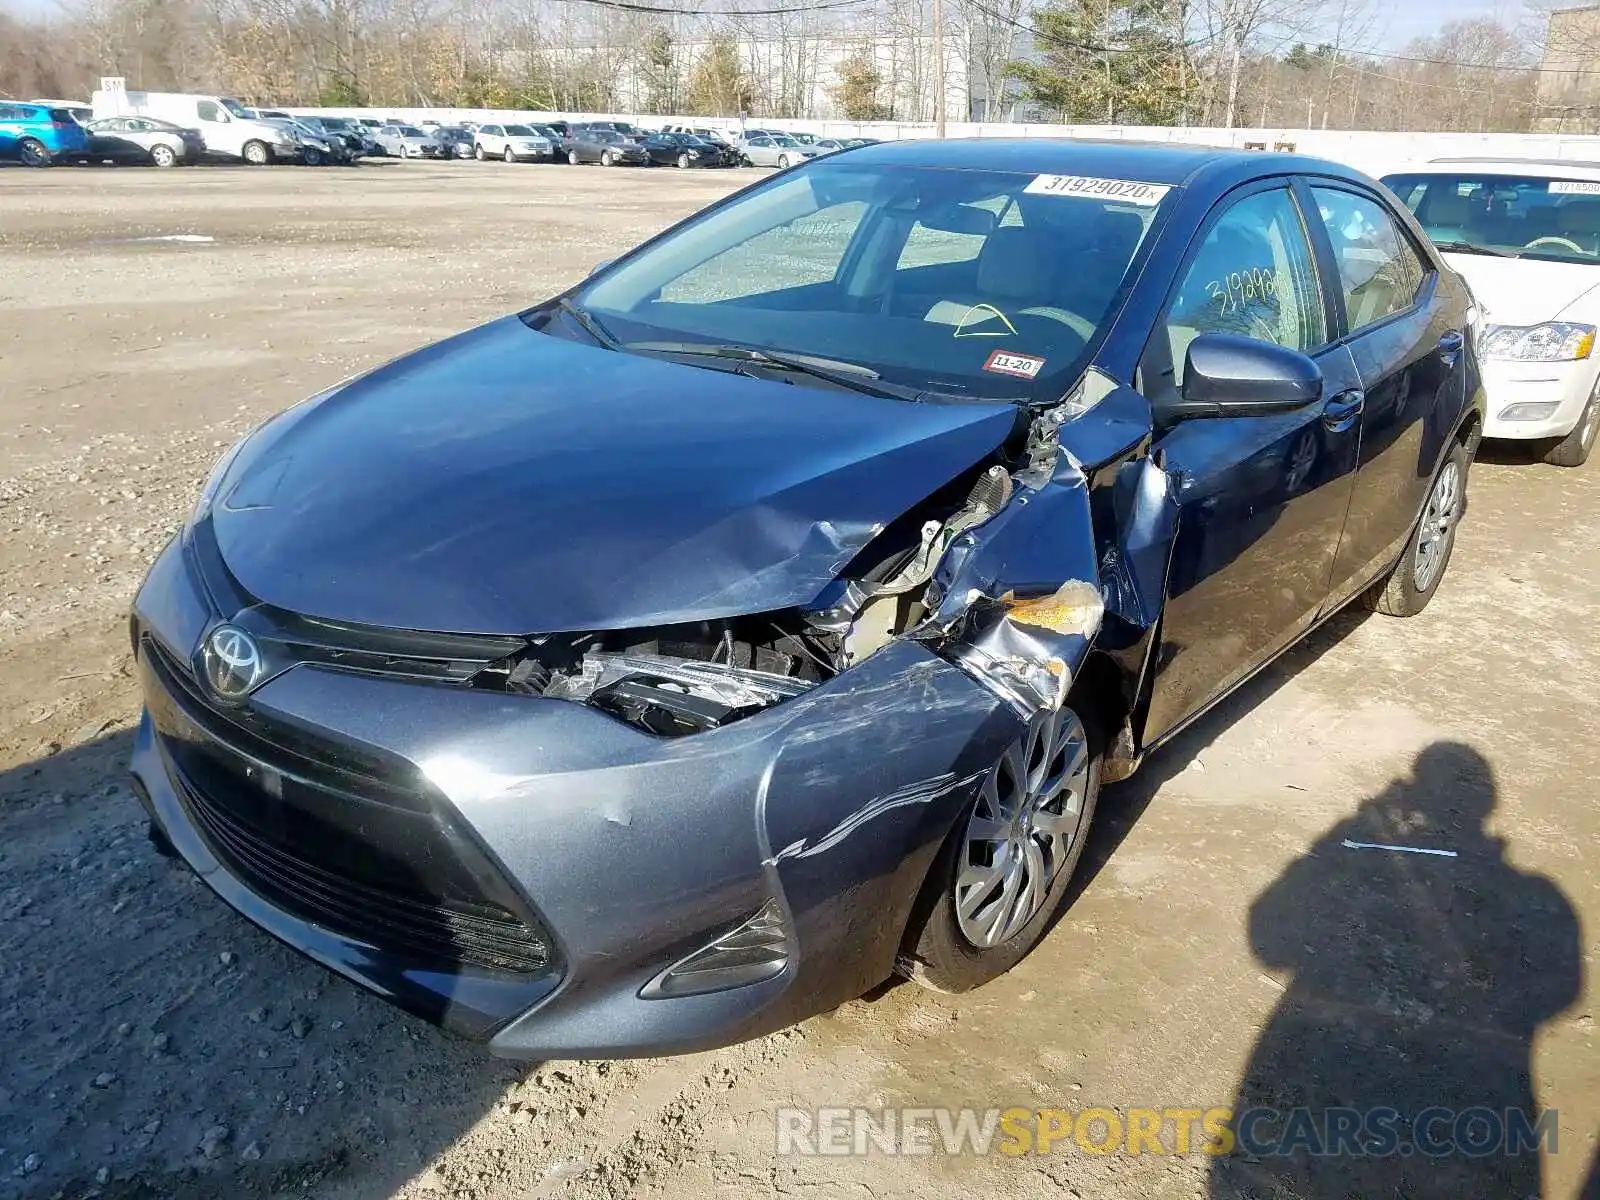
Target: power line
[(662, 10)]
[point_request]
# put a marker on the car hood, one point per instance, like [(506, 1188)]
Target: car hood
[(506, 481), (1524, 291)]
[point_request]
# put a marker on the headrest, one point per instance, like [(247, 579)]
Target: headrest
[(1017, 263)]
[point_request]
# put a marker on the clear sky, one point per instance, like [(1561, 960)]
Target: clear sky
[(1396, 22)]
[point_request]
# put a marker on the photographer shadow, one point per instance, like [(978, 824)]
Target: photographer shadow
[(1417, 984)]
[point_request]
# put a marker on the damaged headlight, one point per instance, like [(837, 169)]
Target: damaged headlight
[(671, 697)]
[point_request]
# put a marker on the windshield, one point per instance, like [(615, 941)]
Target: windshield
[(234, 107), (518, 131), (779, 140), (605, 135), (956, 281), (408, 131), (1529, 216)]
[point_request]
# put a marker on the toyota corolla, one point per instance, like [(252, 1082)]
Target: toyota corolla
[(689, 653)]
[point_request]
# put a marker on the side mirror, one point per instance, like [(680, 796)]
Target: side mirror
[(1228, 374)]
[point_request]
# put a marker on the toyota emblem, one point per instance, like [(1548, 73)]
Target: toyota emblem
[(231, 661)]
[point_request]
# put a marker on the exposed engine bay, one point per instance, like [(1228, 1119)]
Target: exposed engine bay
[(931, 575)]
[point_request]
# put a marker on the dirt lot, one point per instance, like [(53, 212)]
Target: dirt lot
[(1227, 946)]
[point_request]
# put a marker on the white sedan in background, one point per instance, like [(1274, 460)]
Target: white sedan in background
[(1525, 234)]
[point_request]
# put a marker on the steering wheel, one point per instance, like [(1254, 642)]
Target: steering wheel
[(1566, 243), (1081, 326)]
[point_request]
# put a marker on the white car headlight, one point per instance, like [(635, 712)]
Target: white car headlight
[(1554, 341)]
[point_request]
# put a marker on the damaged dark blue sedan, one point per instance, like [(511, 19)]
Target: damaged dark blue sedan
[(686, 655)]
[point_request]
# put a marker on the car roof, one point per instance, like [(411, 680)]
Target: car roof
[(1504, 166), (1148, 162)]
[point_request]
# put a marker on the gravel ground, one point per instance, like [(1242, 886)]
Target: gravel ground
[(1226, 945)]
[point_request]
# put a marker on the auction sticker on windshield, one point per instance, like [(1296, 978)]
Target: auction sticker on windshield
[(1129, 191), (1574, 187)]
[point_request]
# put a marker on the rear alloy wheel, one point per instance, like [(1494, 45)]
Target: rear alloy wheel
[(256, 154), (510, 155), (1573, 450), (163, 156), (1005, 868), (33, 153), (1413, 580)]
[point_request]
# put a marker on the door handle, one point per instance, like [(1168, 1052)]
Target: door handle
[(1341, 410), (1450, 344)]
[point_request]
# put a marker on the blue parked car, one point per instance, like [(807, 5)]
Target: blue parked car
[(40, 135)]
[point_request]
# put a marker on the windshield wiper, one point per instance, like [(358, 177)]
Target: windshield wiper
[(836, 371), (590, 323), (1459, 247)]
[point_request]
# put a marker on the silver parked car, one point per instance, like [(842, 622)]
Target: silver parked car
[(774, 150), (144, 139), (407, 141), (456, 139), (514, 143)]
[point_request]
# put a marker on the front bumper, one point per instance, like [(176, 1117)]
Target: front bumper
[(1564, 387), (623, 852)]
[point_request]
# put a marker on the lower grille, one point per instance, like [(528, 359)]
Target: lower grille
[(398, 919), (332, 846)]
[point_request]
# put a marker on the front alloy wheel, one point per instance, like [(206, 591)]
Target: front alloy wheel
[(1004, 870), (33, 153), (1022, 829), (163, 156)]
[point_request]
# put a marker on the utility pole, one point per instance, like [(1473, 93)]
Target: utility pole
[(938, 68)]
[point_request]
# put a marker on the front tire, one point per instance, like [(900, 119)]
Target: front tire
[(608, 159), (1413, 580), (783, 162), (1573, 450), (510, 155), (1003, 873), (33, 153), (477, 153), (683, 162), (311, 156), (572, 158), (257, 154), (163, 156)]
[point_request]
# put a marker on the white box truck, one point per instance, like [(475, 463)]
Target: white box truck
[(227, 126)]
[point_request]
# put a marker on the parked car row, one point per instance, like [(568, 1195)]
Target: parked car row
[(168, 129)]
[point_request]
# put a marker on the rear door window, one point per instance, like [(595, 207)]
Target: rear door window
[(1380, 272)]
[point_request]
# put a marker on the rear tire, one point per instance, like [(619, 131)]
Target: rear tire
[(33, 153), (1573, 450), (1412, 581), (163, 156), (257, 154), (981, 909)]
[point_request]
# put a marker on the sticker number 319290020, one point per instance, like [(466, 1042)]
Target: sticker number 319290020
[(1128, 191)]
